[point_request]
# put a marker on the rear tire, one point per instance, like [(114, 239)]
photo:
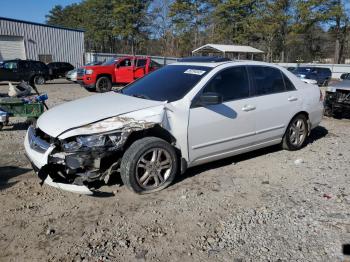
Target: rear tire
[(103, 84), (149, 165), (296, 133)]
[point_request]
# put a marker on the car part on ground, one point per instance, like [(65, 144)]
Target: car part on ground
[(149, 130), (337, 99)]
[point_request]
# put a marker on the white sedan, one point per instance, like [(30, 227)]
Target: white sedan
[(185, 114)]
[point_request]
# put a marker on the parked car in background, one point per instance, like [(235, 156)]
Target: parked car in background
[(182, 115), (321, 74), (123, 70), (72, 75), (59, 69), (337, 99), (24, 70), (345, 76)]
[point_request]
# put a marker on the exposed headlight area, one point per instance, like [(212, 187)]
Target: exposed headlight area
[(92, 142), (86, 158), (89, 71)]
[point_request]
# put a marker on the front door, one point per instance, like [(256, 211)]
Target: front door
[(8, 71), (125, 71), (221, 130)]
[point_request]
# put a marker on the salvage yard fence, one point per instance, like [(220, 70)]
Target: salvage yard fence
[(336, 69)]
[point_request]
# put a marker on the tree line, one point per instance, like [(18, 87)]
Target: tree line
[(286, 30)]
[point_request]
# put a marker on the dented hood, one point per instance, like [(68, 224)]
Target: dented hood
[(89, 110)]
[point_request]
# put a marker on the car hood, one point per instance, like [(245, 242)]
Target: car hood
[(100, 67), (343, 85), (89, 110)]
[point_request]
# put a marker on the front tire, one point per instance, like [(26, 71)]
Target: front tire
[(103, 84), (149, 165), (39, 80), (296, 133)]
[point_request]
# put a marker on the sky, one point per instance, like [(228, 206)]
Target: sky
[(30, 10)]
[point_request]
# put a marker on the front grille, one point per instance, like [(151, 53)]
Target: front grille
[(343, 96), (80, 72)]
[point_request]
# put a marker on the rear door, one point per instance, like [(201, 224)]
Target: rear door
[(124, 72), (24, 70), (141, 67), (276, 100), (216, 131)]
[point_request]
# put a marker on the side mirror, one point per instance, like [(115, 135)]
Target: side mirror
[(117, 65), (210, 98)]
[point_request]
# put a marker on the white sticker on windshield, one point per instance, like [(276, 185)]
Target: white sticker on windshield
[(194, 72)]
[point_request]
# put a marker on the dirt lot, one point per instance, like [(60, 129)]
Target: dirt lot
[(269, 205)]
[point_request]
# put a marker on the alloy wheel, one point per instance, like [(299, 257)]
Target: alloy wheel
[(153, 168), (297, 132)]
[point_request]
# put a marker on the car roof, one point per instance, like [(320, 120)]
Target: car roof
[(231, 62)]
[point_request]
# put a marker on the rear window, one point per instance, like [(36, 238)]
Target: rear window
[(169, 83)]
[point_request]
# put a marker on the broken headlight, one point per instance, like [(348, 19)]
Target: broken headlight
[(84, 142), (81, 143)]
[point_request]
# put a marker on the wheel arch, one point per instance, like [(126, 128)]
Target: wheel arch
[(104, 75), (159, 132), (306, 114)]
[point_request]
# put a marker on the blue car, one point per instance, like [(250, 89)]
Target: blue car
[(321, 74)]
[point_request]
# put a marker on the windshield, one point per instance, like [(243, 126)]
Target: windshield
[(169, 83), (110, 61)]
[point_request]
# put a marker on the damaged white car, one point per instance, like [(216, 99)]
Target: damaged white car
[(180, 116)]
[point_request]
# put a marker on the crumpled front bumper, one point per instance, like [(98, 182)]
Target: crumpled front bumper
[(38, 152)]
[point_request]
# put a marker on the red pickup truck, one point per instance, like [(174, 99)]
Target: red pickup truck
[(122, 70)]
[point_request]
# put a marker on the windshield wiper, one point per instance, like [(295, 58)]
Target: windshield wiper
[(140, 96)]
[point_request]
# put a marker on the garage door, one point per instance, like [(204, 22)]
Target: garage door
[(11, 47)]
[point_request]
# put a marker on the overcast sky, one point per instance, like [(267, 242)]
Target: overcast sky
[(30, 10)]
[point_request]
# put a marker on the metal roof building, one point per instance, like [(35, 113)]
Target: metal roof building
[(227, 49), (27, 40)]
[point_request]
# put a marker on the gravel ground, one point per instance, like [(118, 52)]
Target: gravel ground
[(267, 205)]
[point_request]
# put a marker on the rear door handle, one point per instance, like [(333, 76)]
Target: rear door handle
[(292, 98), (248, 108)]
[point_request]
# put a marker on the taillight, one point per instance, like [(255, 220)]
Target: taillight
[(321, 96)]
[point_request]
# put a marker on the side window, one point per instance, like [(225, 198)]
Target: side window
[(24, 65), (231, 83), (10, 65), (125, 62), (141, 62), (289, 85), (268, 80)]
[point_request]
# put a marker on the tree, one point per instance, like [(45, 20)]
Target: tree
[(131, 20)]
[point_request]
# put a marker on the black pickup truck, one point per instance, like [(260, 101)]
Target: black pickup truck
[(24, 70)]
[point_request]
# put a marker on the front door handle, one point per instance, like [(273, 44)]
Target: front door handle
[(248, 108), (292, 98)]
